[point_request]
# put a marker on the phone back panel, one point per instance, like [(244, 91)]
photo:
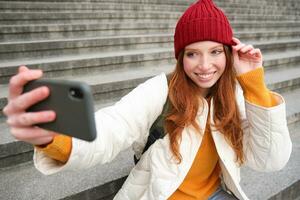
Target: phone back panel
[(72, 102)]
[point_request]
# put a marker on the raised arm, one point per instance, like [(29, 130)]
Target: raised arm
[(118, 126)]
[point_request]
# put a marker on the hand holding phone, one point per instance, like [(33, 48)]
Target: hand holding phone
[(23, 124), (20, 122), (72, 102)]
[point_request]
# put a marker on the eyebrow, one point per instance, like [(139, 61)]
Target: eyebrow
[(192, 49)]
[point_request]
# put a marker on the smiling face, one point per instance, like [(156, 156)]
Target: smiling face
[(204, 62)]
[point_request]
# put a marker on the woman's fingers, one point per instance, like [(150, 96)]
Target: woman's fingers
[(246, 49), (236, 40), (24, 101), (22, 68), (241, 47), (40, 140), (238, 47), (33, 135), (238, 44), (31, 118), (256, 52), (18, 81), (22, 123)]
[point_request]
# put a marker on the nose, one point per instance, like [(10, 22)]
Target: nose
[(204, 63)]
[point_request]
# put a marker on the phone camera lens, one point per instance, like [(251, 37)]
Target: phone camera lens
[(76, 93)]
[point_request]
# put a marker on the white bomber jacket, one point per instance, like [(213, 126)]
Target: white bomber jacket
[(267, 144)]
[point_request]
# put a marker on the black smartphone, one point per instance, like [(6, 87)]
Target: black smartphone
[(72, 101)]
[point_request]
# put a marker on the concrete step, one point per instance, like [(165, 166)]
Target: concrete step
[(257, 36), (283, 60), (93, 61), (13, 152), (46, 48), (175, 2), (16, 18), (9, 6), (278, 46), (261, 9), (284, 79), (22, 18), (33, 185), (167, 2), (264, 26), (292, 192), (27, 183), (292, 105), (59, 31), (110, 86)]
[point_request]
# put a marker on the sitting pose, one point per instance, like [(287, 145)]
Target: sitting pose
[(220, 116)]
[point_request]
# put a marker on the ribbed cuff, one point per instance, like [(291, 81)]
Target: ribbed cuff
[(59, 149), (254, 87)]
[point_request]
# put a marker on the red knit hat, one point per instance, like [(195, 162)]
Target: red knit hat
[(202, 21)]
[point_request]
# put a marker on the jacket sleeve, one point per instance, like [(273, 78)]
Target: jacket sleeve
[(118, 127), (266, 142)]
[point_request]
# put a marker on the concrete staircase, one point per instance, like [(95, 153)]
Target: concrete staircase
[(114, 45)]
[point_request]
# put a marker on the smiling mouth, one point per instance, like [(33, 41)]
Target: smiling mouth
[(205, 76)]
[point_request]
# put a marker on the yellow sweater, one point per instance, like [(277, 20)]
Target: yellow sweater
[(203, 176)]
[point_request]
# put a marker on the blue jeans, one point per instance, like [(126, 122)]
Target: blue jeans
[(220, 194)]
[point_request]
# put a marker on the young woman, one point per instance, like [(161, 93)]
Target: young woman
[(213, 126)]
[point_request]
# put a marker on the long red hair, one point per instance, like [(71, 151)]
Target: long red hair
[(184, 104)]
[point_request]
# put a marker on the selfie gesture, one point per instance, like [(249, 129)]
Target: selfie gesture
[(21, 122), (217, 114)]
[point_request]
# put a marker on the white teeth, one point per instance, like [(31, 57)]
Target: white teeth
[(205, 75)]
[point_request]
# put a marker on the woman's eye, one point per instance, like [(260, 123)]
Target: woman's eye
[(190, 54), (217, 52)]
